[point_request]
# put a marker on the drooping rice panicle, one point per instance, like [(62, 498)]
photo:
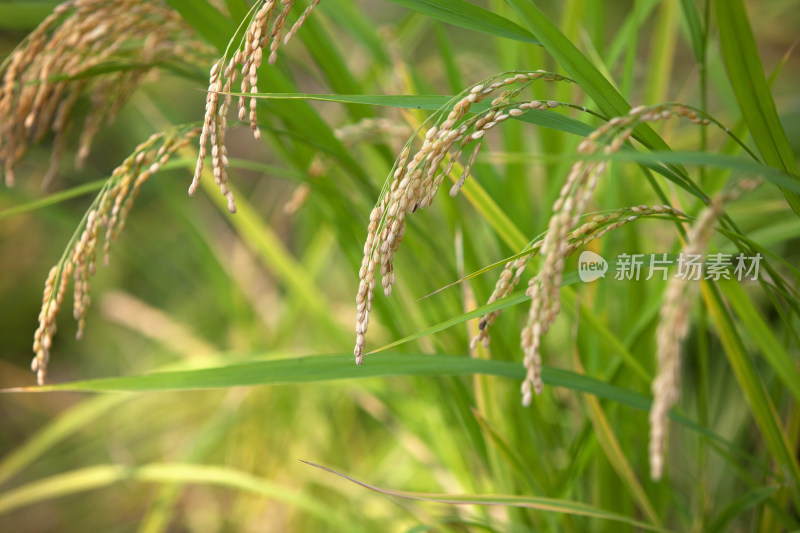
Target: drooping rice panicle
[(106, 219), (598, 226), (673, 326), (63, 59), (416, 178), (568, 208), (244, 61)]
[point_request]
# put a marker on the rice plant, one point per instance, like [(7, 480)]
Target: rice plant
[(596, 330)]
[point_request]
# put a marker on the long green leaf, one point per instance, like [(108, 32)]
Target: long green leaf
[(340, 366), (747, 167), (695, 29), (24, 15), (610, 444), (747, 376), (63, 426), (746, 74), (739, 506), (547, 119), (207, 20), (469, 16), (52, 199), (580, 69), (96, 477), (529, 502), (761, 333)]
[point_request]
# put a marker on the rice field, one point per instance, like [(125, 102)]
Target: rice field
[(236, 298)]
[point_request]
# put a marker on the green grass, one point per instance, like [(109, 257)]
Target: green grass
[(205, 403)]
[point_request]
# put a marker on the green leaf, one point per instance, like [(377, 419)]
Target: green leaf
[(739, 506), (65, 425), (572, 60), (582, 71), (547, 119), (321, 368), (100, 476), (695, 29), (469, 16), (750, 383), (237, 9), (209, 23), (528, 502), (24, 15), (294, 370), (761, 333), (746, 74), (53, 199), (745, 167), (613, 451)]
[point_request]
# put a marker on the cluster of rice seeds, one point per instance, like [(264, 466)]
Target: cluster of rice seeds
[(508, 280), (43, 78), (108, 214), (593, 229), (673, 326), (214, 127), (245, 61), (567, 210), (415, 180)]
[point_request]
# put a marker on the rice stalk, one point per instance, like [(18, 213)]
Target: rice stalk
[(414, 180), (244, 62), (105, 219), (99, 48), (573, 198), (597, 227), (673, 325)]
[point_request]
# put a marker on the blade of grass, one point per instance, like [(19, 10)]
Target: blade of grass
[(65, 425), (695, 29), (762, 408), (263, 241), (545, 119), (454, 81), (739, 506), (431, 103), (613, 452), (528, 502), (760, 332), (24, 15), (469, 16), (662, 53), (320, 368), (746, 74), (585, 74), (97, 477), (207, 20), (55, 198)]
